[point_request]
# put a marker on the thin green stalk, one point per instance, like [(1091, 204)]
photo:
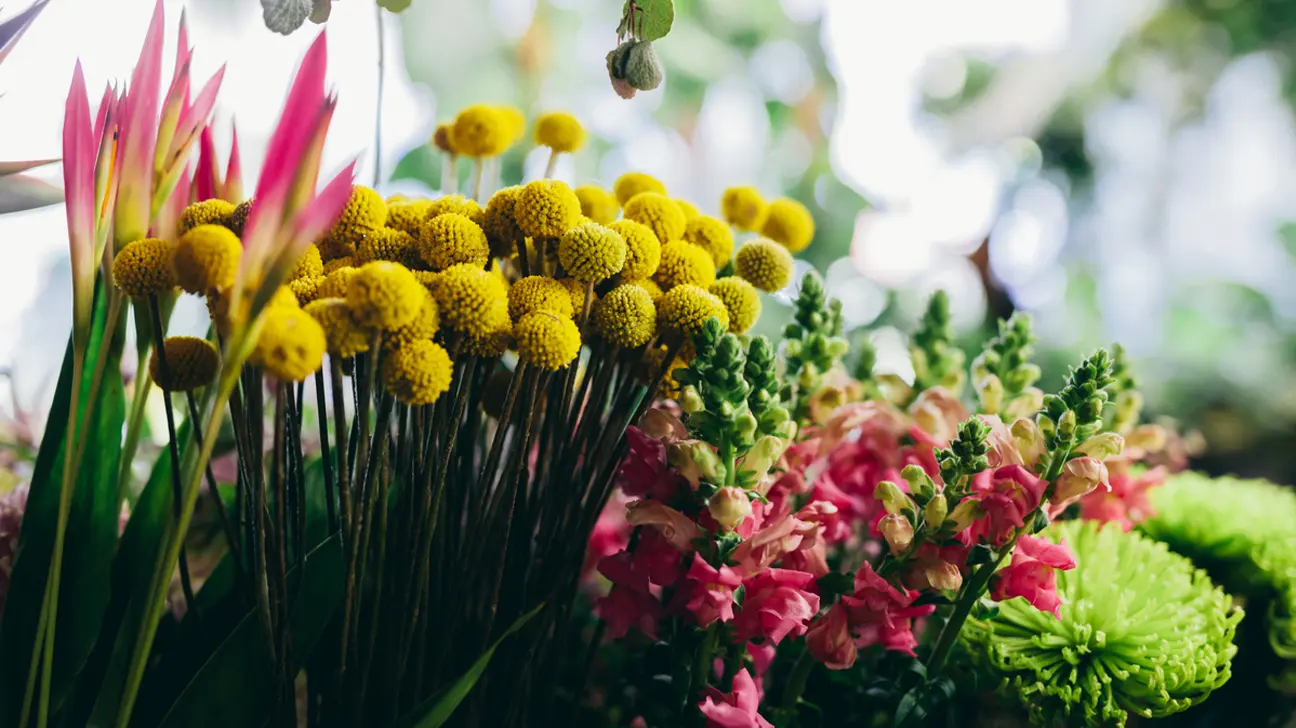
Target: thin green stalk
[(797, 682), (134, 426)]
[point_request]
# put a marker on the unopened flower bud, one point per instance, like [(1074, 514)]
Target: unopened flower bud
[(893, 500), (1046, 425), (920, 484), (1148, 438), (964, 514), (823, 402), (729, 507), (762, 456), (898, 532), (954, 380), (936, 510), (1102, 446), (786, 429), (943, 575), (1081, 476), (1129, 405), (809, 375), (695, 461), (893, 388), (1023, 376), (1029, 441), (745, 425), (660, 426), (1025, 404), (991, 393), (981, 365), (1067, 425), (836, 347), (690, 401)]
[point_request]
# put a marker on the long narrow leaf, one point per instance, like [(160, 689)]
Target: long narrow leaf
[(8, 168), (435, 712), (19, 193)]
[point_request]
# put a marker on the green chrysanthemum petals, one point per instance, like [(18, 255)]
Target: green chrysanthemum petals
[(1142, 632)]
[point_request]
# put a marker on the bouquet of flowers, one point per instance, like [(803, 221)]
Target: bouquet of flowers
[(509, 457)]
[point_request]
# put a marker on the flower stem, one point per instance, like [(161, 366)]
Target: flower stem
[(552, 165), (797, 681)]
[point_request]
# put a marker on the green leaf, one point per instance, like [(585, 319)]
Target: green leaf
[(235, 686), (90, 536), (652, 19), (394, 6), (434, 712)]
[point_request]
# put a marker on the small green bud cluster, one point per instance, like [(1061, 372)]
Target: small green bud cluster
[(937, 362)]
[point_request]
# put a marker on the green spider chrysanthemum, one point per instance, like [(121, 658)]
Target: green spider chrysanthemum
[(1142, 632), (1240, 531)]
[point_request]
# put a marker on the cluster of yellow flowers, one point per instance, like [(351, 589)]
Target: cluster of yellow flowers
[(427, 281)]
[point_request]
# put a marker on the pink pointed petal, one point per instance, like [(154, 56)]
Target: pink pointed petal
[(78, 181), (194, 119), (12, 29), (233, 191), (106, 105), (173, 109), (168, 217), (319, 215), (184, 53), (288, 139), (207, 177), (139, 136), (8, 168)]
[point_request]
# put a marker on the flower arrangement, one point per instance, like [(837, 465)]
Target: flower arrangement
[(510, 456)]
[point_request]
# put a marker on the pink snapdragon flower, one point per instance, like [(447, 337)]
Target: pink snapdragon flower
[(1127, 503), (645, 473), (610, 534), (709, 592), (677, 528), (830, 640), (777, 604), (881, 614), (1032, 574), (737, 709), (630, 602), (1007, 496)]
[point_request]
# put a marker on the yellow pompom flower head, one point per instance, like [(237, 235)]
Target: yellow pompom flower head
[(208, 212), (659, 213), (144, 267), (423, 326), (472, 301), (336, 282), (539, 293), (452, 239), (481, 131), (711, 235), (741, 301), (407, 215), (547, 341), (789, 223), (744, 208), (291, 345), (384, 295), (207, 258), (309, 265), (562, 133), (306, 289), (688, 208), (342, 336), (418, 372), (441, 138), (632, 183), (597, 204), (684, 264), (764, 264), (683, 310), (626, 316), (190, 363), (500, 223), (390, 244), (643, 249), (546, 208), (454, 204), (591, 252), (365, 214)]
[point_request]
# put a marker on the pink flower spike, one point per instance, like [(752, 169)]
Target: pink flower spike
[(194, 118), (300, 112), (233, 188), (207, 178), (139, 137), (320, 214), (79, 155)]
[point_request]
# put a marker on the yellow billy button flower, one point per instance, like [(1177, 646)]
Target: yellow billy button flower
[(597, 204), (417, 373), (632, 183), (309, 265), (576, 291), (208, 212), (390, 244), (688, 208), (384, 295), (643, 249), (546, 340), (424, 326), (336, 264), (626, 316), (441, 137), (684, 309), (306, 289), (472, 301), (144, 267), (591, 252), (336, 283), (342, 336), (492, 344), (365, 213), (649, 285), (744, 208), (238, 219), (546, 208), (406, 215), (658, 212), (764, 264), (190, 363), (560, 132), (789, 223), (450, 239), (741, 301), (684, 264), (514, 122), (711, 235), (454, 204), (291, 345), (481, 131), (539, 293), (500, 224), (207, 257)]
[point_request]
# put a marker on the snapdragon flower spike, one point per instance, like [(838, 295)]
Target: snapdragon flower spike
[(139, 137), (79, 155)]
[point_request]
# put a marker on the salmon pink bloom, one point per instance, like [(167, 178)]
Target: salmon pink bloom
[(709, 592), (1127, 502), (644, 472), (630, 603), (737, 709), (1008, 496), (881, 614), (830, 640), (677, 528), (777, 604), (1032, 574)]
